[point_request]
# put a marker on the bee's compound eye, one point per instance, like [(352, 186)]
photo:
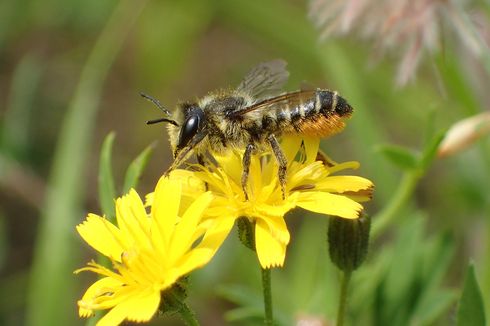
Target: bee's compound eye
[(189, 129)]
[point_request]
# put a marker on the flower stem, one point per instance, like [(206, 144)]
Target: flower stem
[(384, 218), (343, 298), (188, 315), (266, 287)]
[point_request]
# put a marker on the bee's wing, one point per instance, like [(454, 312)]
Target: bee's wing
[(284, 101), (266, 79)]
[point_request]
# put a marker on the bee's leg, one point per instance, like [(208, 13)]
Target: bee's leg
[(202, 161), (246, 167), (283, 162)]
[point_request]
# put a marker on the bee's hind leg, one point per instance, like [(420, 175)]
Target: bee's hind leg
[(246, 167), (283, 162)]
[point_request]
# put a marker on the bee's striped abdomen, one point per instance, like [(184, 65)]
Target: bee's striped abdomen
[(320, 115)]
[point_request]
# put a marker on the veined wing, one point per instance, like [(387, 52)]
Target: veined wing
[(316, 113), (282, 102), (265, 80)]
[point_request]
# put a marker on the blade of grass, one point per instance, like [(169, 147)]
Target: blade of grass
[(52, 285), (107, 190), (15, 125), (136, 167), (471, 308)]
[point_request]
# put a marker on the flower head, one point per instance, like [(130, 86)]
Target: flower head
[(150, 252), (411, 27), (309, 185)]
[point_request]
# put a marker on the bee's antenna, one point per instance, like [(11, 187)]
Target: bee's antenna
[(150, 122), (156, 102)]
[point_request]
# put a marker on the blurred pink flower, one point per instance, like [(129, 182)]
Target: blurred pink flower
[(409, 27)]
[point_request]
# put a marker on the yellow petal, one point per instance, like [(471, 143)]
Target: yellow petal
[(104, 285), (216, 233), (231, 164), (330, 204), (218, 230), (290, 146), (270, 251), (312, 144), (194, 259), (192, 187), (165, 208), (278, 228), (132, 218), (103, 236), (347, 183), (344, 165), (266, 211), (149, 198), (138, 308), (185, 230)]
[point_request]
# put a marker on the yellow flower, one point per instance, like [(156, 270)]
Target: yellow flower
[(150, 252), (310, 185)]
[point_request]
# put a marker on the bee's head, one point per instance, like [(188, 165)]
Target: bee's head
[(185, 128), (190, 132)]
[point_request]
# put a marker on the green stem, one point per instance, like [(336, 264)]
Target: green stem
[(188, 315), (343, 298), (266, 288), (399, 199)]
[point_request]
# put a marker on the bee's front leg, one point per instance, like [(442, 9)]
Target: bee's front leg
[(246, 167), (283, 162), (201, 161)]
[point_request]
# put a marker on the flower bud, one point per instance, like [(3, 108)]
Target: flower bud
[(348, 241), (172, 298), (246, 232)]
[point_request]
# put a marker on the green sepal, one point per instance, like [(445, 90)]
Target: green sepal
[(246, 232), (348, 241), (173, 298)]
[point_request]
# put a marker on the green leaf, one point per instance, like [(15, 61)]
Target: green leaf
[(136, 167), (107, 191), (471, 308), (400, 156)]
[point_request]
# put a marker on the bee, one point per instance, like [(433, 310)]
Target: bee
[(252, 117)]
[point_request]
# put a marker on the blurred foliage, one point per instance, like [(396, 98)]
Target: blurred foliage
[(70, 73)]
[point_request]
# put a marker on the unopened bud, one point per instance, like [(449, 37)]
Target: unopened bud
[(246, 232), (464, 133), (173, 297), (348, 241)]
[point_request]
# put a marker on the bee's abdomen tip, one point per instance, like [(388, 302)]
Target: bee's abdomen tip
[(342, 108)]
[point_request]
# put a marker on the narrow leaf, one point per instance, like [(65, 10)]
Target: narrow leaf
[(400, 156), (107, 191), (136, 168), (471, 308)]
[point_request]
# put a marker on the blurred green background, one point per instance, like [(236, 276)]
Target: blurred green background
[(71, 72)]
